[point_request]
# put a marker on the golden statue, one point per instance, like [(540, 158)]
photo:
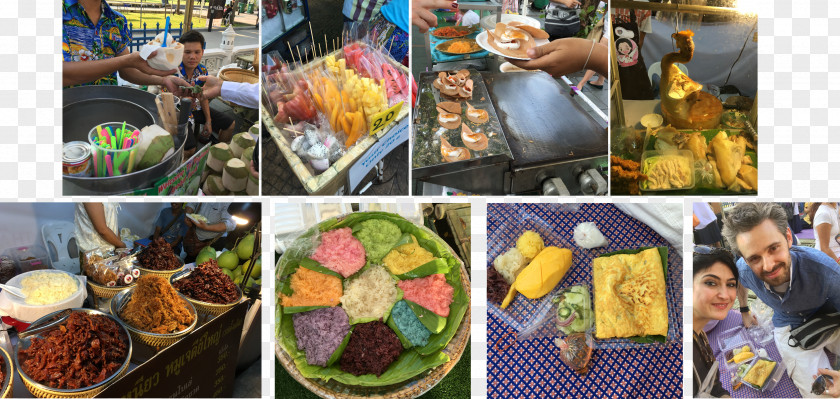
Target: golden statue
[(684, 104)]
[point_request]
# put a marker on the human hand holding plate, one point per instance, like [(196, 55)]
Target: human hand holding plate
[(562, 56)]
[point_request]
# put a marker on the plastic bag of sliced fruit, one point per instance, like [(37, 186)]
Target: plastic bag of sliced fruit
[(370, 282)]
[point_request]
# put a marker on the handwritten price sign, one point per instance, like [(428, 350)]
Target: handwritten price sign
[(383, 118)]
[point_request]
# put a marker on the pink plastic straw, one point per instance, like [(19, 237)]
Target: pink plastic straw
[(109, 164)]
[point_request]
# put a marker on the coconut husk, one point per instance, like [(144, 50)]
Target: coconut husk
[(219, 155), (446, 149), (235, 175), (481, 117), (213, 186), (479, 145)]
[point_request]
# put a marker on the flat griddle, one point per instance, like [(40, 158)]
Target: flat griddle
[(541, 121), (426, 157)]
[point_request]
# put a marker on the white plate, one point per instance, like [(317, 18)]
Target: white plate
[(482, 41), (489, 22)]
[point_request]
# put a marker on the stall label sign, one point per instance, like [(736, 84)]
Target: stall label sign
[(201, 365), (187, 178), (383, 118), (386, 144)]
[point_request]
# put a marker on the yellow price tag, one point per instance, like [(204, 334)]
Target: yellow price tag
[(383, 118)]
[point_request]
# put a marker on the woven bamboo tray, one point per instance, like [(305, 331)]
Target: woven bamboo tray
[(163, 273), (157, 341), (102, 291), (411, 388), (239, 75), (207, 308)]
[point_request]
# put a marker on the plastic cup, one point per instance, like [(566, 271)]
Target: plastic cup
[(109, 159)]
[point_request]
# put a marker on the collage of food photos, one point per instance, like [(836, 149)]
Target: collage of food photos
[(378, 150)]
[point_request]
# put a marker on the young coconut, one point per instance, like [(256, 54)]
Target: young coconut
[(240, 142), (235, 175), (253, 187), (247, 155), (453, 154), (155, 145), (472, 140), (219, 154), (449, 114), (168, 57), (214, 186)]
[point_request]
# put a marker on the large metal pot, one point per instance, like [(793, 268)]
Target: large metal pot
[(87, 106)]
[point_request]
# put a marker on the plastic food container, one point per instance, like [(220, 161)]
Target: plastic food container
[(775, 375), (30, 258), (573, 309), (20, 310), (652, 157)]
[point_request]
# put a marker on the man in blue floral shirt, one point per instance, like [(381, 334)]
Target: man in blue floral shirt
[(95, 41), (190, 69)]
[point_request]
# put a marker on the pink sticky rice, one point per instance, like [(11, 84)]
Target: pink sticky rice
[(340, 252), (431, 292)]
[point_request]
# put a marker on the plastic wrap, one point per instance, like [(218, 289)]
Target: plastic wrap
[(532, 318), (110, 268)]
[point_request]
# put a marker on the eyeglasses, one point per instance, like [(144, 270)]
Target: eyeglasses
[(707, 250)]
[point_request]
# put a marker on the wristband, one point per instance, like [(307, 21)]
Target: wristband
[(744, 309)]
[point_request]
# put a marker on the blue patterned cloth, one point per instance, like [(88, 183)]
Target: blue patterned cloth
[(533, 368), (784, 389), (82, 40)]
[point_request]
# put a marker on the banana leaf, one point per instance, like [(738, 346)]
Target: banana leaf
[(403, 339), (435, 266), (663, 254), (432, 321), (300, 309), (411, 362), (340, 350), (317, 267)]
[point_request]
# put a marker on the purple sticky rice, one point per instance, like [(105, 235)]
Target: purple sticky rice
[(319, 332)]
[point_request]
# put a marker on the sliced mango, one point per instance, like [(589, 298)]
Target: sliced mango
[(541, 275)]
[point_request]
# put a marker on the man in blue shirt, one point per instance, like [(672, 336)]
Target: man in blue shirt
[(170, 225), (793, 281), (94, 46)]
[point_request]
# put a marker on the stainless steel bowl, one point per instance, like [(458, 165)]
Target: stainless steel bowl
[(40, 390), (87, 106)]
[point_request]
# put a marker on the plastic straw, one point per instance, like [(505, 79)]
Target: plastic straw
[(131, 161), (109, 164), (165, 32)]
